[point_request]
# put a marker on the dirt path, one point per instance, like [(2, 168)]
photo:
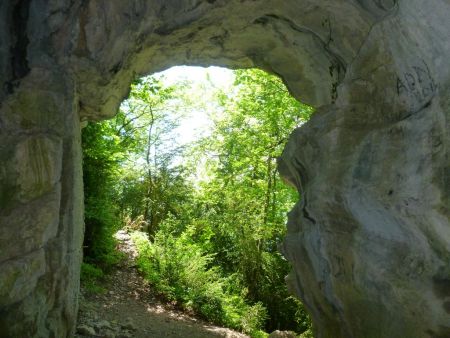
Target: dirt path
[(129, 308)]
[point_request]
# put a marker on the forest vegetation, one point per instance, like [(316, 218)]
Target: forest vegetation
[(206, 216)]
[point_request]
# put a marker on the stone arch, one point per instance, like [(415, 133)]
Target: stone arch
[(369, 241), (310, 52)]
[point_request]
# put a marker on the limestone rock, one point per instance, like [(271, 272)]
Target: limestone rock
[(104, 325), (109, 334), (370, 239), (86, 330), (129, 325), (125, 334), (282, 334), (19, 277)]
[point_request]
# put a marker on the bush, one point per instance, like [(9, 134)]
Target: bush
[(254, 318), (181, 272), (90, 277), (307, 334)]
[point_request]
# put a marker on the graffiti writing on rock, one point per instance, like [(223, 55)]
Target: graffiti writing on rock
[(416, 86)]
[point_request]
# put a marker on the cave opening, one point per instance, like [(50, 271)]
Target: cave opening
[(184, 179), (366, 262)]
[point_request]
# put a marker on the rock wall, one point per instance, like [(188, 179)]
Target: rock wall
[(370, 238)]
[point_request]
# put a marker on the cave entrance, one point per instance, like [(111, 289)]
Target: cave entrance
[(371, 252), (187, 172)]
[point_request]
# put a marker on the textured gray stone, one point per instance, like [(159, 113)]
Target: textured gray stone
[(86, 330), (282, 334), (19, 276), (129, 325), (370, 239)]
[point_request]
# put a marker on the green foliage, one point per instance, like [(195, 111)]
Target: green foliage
[(180, 270), (212, 223), (152, 186), (101, 163), (243, 201), (307, 334), (91, 276), (108, 147)]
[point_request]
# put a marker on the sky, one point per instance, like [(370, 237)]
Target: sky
[(196, 123), (219, 76), (194, 118)]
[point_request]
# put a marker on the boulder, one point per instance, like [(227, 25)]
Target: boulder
[(86, 330), (282, 334)]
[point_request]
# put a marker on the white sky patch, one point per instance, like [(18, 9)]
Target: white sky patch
[(204, 83)]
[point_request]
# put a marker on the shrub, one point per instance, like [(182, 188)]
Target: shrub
[(182, 272), (90, 277)]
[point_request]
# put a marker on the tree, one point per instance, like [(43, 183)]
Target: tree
[(154, 185), (229, 220), (102, 157), (243, 200)]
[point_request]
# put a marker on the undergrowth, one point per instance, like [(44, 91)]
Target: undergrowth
[(91, 277), (180, 271)]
